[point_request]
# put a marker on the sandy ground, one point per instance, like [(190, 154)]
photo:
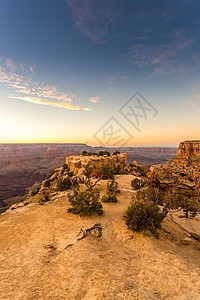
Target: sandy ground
[(34, 263)]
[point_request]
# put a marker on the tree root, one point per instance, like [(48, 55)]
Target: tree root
[(96, 229)]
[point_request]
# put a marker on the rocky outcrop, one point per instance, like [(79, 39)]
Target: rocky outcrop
[(136, 169), (77, 163), (189, 149), (181, 173), (73, 171), (24, 165)]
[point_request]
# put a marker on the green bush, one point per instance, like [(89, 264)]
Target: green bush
[(102, 153), (148, 194), (112, 191), (106, 171), (63, 184), (116, 152), (136, 184), (190, 207), (118, 170), (142, 215), (45, 198), (88, 170), (92, 153), (65, 168), (33, 193), (36, 191), (84, 153), (85, 203)]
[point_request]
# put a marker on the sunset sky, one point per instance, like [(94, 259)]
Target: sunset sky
[(117, 72)]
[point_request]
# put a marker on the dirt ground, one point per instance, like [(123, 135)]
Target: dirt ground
[(34, 263)]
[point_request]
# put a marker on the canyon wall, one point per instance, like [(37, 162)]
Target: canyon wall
[(188, 149), (25, 165), (181, 173)]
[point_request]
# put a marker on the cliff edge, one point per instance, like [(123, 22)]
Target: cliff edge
[(181, 173)]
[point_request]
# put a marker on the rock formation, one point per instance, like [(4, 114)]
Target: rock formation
[(23, 166), (189, 149), (77, 163), (181, 173)]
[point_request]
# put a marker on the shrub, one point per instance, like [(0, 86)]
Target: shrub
[(102, 153), (112, 191), (92, 153), (88, 171), (36, 191), (136, 184), (148, 194), (106, 172), (45, 198), (84, 153), (63, 184), (118, 170), (85, 203), (190, 207), (142, 215), (116, 152), (65, 168)]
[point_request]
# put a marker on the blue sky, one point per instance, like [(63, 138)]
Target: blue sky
[(68, 66)]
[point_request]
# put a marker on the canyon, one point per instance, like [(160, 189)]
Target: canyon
[(24, 166), (42, 256)]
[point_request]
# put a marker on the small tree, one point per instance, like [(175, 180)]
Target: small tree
[(104, 172), (143, 212), (66, 169), (64, 184), (85, 203), (36, 191), (102, 153), (137, 183), (112, 191), (116, 152), (190, 207), (142, 215), (84, 153), (148, 194), (88, 174), (44, 198)]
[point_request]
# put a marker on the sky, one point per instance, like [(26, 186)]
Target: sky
[(112, 73)]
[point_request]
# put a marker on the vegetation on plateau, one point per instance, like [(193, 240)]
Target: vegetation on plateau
[(111, 192)]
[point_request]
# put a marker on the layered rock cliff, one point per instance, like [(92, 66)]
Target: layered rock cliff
[(77, 163), (189, 149), (181, 173)]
